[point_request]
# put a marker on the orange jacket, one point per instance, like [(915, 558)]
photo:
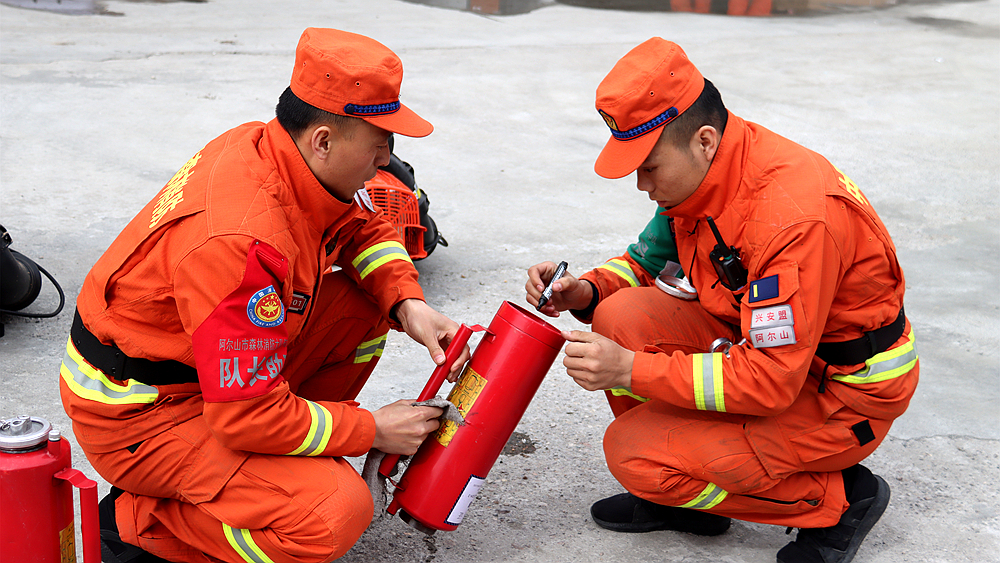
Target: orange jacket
[(219, 272), (821, 267)]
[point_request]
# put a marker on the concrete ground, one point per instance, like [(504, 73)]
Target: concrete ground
[(98, 111)]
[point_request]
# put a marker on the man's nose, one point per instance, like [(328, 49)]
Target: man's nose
[(643, 182)]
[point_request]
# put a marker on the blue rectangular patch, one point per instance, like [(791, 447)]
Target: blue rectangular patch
[(764, 288)]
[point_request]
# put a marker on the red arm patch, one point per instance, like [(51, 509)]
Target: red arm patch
[(241, 347)]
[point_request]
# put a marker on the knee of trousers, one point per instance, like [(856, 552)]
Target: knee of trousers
[(624, 450), (656, 476), (312, 528), (347, 515), (612, 313), (633, 316)]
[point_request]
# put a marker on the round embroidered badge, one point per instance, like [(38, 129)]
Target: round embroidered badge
[(265, 309)]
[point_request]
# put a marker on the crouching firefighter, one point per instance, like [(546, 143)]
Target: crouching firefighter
[(785, 257), (221, 340)]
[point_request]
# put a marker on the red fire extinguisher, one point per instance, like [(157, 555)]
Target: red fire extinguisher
[(37, 500), (492, 394)]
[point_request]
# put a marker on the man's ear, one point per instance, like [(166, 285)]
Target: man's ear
[(320, 141), (706, 141)]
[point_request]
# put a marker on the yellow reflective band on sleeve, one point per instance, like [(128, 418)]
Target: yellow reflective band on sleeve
[(88, 382), (377, 255), (710, 497), (368, 350), (626, 392), (621, 268), (707, 381), (886, 365), (245, 547), (320, 430)]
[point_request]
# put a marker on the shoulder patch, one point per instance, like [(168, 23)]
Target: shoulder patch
[(762, 289), (774, 336), (265, 308)]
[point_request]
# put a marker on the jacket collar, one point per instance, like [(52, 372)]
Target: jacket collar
[(319, 207), (717, 191)]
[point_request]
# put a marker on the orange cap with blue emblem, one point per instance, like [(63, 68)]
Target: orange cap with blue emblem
[(350, 74), (647, 89)]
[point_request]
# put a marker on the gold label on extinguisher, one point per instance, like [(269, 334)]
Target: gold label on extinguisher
[(67, 544), (463, 395)]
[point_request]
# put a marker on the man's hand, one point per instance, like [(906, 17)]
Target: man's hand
[(400, 428), (432, 329), (567, 292), (596, 362)]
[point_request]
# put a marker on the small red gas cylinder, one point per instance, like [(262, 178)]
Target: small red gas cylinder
[(36, 503), (492, 393)]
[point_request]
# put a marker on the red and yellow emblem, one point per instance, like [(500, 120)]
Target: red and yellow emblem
[(265, 308), (609, 120)]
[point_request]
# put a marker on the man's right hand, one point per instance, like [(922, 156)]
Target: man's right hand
[(567, 292), (400, 427)]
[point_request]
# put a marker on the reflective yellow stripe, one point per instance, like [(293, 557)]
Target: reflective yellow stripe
[(711, 496), (706, 378), (886, 365), (245, 547), (368, 350), (626, 392), (375, 256), (88, 382), (621, 269), (320, 430)]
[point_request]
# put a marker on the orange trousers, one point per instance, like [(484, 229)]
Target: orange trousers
[(285, 509), (672, 455)]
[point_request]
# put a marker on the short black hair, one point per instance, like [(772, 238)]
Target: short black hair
[(708, 109), (296, 116)]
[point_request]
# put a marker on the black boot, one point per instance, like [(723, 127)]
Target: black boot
[(629, 513), (869, 496), (113, 549)]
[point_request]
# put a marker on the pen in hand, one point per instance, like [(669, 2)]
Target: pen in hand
[(547, 294)]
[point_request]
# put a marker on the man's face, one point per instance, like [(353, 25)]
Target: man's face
[(355, 155), (673, 172)]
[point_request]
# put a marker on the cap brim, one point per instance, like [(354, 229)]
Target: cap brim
[(404, 121), (621, 158)]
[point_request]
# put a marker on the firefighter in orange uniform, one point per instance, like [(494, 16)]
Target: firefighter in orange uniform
[(757, 399), (221, 340)]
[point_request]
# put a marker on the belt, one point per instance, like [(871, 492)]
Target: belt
[(860, 349), (115, 363)]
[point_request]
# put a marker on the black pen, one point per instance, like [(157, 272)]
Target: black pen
[(547, 294)]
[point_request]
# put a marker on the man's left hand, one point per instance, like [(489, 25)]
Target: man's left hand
[(432, 329), (596, 362)]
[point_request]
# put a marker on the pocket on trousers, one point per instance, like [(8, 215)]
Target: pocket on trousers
[(827, 441), (214, 465)]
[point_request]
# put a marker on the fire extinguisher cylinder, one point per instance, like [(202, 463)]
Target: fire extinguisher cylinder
[(433, 384), (37, 499), (494, 391)]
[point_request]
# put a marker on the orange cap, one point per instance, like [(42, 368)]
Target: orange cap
[(648, 88), (350, 74)]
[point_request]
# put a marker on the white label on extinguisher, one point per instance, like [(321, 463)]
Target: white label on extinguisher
[(464, 500)]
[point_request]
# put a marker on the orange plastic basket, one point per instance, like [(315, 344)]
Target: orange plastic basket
[(400, 206)]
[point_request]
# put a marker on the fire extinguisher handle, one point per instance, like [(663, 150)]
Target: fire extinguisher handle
[(433, 385), (441, 372), (90, 526)]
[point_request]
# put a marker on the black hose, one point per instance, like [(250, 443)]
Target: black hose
[(62, 301)]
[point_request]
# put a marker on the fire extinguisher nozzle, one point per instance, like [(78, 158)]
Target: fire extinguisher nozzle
[(415, 524)]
